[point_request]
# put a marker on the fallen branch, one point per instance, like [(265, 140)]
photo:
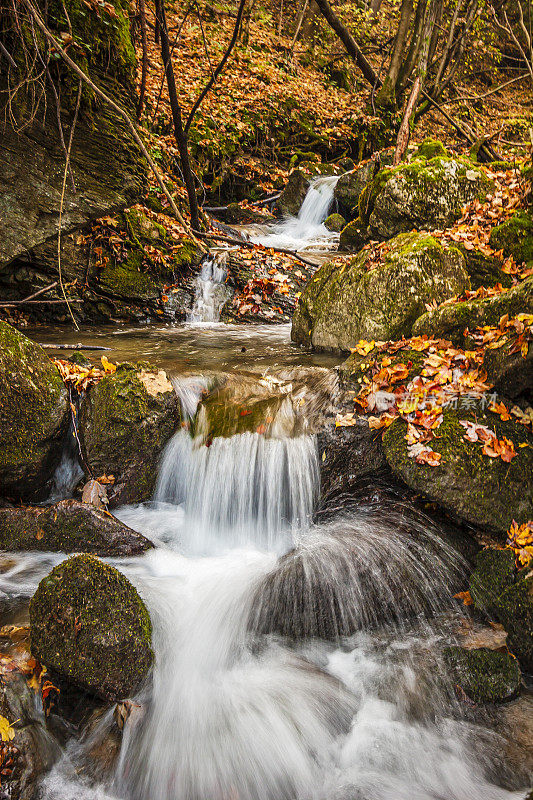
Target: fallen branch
[(36, 294), (38, 302), (120, 111), (78, 346), (252, 245)]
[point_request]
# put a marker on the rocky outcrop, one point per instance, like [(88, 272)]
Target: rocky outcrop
[(378, 294), (422, 194), (68, 527), (485, 491), (294, 193), (451, 321), (506, 593), (33, 407), (485, 676), (126, 421), (90, 626), (349, 188)]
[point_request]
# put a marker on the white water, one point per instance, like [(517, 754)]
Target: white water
[(306, 231), (234, 714), (210, 291)]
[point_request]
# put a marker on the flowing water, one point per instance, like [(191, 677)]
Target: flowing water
[(307, 230), (210, 290)]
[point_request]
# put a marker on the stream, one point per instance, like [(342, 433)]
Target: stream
[(249, 699)]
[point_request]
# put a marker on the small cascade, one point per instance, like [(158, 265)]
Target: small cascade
[(306, 231), (210, 291), (69, 470)]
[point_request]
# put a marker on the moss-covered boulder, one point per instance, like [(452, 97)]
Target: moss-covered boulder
[(451, 321), (485, 491), (421, 194), (511, 373), (378, 294), (485, 676), (515, 237), (353, 236), (335, 223), (506, 593), (126, 422), (294, 193), (349, 187), (127, 280), (89, 625), (431, 148), (68, 527), (33, 406), (484, 270)]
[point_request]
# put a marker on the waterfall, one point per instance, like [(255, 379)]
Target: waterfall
[(306, 231), (210, 291)]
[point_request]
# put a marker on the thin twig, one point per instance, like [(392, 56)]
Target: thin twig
[(253, 246)]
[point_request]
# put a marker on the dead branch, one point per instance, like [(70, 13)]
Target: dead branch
[(252, 246)]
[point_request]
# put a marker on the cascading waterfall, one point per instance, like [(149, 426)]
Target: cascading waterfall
[(306, 231), (240, 706), (210, 290)]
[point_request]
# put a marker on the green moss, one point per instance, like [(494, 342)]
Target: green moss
[(495, 571), (484, 270), (353, 236), (126, 279), (32, 413), (515, 237), (143, 228), (430, 148), (186, 255), (89, 624), (515, 611), (486, 676), (335, 223)]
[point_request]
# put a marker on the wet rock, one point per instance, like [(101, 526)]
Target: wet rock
[(515, 237), (335, 223), (423, 194), (481, 490), (294, 193), (495, 572), (90, 626), (450, 322), (68, 527), (125, 423), (350, 186), (33, 406), (510, 373), (486, 676), (378, 294), (353, 236), (36, 749)]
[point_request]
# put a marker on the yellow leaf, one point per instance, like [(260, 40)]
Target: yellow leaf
[(6, 731), (109, 368)]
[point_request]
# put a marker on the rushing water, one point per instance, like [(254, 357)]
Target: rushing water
[(210, 290), (240, 709), (305, 231)]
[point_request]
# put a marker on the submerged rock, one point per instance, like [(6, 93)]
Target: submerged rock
[(127, 420), (485, 491), (378, 294), (486, 676), (33, 406), (68, 527), (423, 193), (89, 625)]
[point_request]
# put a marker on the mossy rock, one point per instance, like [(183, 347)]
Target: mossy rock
[(356, 367), (33, 415), (353, 236), (141, 227), (431, 148), (506, 593), (481, 490), (378, 294), (349, 187), (68, 527), (421, 194), (186, 254), (511, 373), (294, 193), (515, 237), (451, 321), (486, 676), (89, 625), (484, 270), (335, 223), (125, 423), (127, 281)]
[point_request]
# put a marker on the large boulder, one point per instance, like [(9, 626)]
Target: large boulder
[(68, 527), (293, 195), (423, 194), (451, 321), (126, 422), (349, 187), (88, 624), (378, 294), (485, 676), (33, 406), (505, 592), (515, 237), (485, 491)]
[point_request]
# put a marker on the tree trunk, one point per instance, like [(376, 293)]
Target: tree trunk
[(181, 138), (144, 66), (386, 97), (352, 48)]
